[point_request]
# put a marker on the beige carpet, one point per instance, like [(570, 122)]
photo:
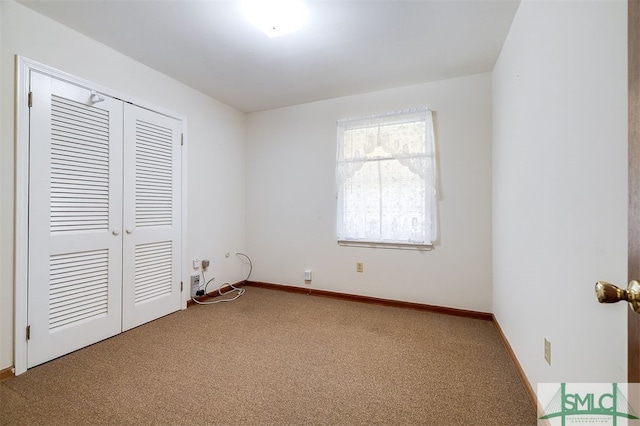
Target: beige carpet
[(273, 358)]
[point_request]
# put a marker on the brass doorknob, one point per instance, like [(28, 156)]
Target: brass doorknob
[(609, 293)]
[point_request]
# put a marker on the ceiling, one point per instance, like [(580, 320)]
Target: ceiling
[(345, 48)]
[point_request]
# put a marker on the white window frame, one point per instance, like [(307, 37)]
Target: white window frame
[(427, 170)]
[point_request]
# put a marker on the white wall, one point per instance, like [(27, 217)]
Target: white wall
[(291, 204), (560, 188), (215, 144)]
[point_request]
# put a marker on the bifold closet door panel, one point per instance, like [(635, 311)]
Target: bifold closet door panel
[(75, 218), (152, 216)]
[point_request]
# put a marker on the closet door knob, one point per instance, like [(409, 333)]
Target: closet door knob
[(116, 231), (129, 230)]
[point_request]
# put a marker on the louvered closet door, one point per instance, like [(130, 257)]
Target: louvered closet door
[(75, 218), (152, 181)]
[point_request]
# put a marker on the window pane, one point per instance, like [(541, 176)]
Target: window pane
[(362, 203), (385, 201), (402, 207)]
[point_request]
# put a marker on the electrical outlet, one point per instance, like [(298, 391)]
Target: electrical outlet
[(547, 351), (359, 267)]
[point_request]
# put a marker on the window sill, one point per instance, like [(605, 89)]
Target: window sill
[(381, 245)]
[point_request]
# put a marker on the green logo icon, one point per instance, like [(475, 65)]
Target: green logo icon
[(584, 405)]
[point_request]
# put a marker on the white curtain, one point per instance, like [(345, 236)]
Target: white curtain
[(386, 178)]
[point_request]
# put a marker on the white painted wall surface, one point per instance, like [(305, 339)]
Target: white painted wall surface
[(215, 144), (291, 204), (560, 188)]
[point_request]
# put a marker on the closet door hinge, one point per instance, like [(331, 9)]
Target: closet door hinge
[(181, 139), (30, 100), (181, 286), (28, 332)]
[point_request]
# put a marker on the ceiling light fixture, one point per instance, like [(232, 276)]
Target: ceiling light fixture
[(276, 17)]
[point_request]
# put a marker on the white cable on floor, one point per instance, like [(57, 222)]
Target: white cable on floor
[(240, 291)]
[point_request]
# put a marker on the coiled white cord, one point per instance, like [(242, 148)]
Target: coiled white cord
[(240, 291)]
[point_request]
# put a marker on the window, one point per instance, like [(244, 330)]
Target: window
[(386, 178)]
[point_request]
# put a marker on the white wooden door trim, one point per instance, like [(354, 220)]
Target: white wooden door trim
[(23, 67), (21, 256)]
